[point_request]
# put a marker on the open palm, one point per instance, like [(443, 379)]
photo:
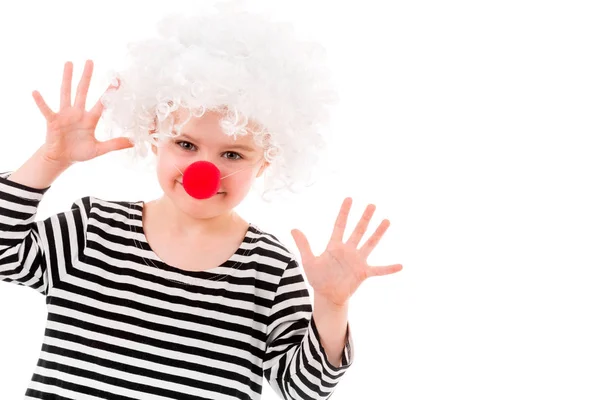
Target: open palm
[(70, 132), (338, 272)]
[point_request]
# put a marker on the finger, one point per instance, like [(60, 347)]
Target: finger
[(303, 245), (84, 84), (98, 109), (113, 145), (381, 271), (370, 244), (340, 223), (65, 91), (362, 226), (46, 111)]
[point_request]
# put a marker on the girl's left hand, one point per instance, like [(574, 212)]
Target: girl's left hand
[(338, 272)]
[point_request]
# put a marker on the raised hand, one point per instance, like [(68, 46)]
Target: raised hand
[(70, 131), (338, 272)]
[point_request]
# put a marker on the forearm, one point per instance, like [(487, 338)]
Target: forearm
[(37, 172), (332, 322)]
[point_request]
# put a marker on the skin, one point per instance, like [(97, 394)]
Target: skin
[(335, 275), (185, 218)]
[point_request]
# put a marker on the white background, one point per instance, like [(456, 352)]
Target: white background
[(471, 125)]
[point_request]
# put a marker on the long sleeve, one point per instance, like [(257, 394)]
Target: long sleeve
[(32, 252), (296, 364)]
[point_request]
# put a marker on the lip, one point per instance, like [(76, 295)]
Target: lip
[(181, 183)]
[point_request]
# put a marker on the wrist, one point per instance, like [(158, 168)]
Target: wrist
[(52, 164), (38, 172), (324, 302)]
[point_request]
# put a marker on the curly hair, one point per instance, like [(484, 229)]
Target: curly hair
[(240, 64)]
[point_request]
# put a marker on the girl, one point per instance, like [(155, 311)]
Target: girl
[(180, 297)]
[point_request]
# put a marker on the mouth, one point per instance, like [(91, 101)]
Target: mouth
[(181, 183)]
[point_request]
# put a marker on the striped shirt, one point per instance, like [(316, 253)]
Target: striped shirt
[(123, 324)]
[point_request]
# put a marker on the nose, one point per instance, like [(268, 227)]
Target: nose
[(201, 179)]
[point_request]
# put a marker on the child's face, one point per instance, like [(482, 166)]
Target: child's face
[(203, 139)]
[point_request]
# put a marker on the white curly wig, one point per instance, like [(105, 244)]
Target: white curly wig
[(235, 62)]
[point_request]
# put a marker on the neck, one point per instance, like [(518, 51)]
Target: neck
[(180, 225)]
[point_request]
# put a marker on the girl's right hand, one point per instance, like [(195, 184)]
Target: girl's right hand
[(70, 131)]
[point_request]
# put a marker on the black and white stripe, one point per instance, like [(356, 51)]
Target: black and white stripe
[(122, 324)]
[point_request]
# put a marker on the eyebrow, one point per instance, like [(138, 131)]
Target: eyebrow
[(230, 146)]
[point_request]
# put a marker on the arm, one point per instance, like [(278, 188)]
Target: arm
[(37, 172), (295, 364), (332, 325), (29, 249)]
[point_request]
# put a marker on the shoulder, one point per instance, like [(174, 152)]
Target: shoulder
[(269, 245), (90, 206)]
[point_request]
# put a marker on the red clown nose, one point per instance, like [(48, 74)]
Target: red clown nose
[(201, 179)]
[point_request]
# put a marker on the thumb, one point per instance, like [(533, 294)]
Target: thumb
[(302, 244), (113, 145)]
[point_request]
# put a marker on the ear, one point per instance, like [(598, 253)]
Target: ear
[(154, 147), (263, 168)]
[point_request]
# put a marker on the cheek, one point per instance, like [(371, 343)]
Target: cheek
[(169, 166), (240, 180)]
